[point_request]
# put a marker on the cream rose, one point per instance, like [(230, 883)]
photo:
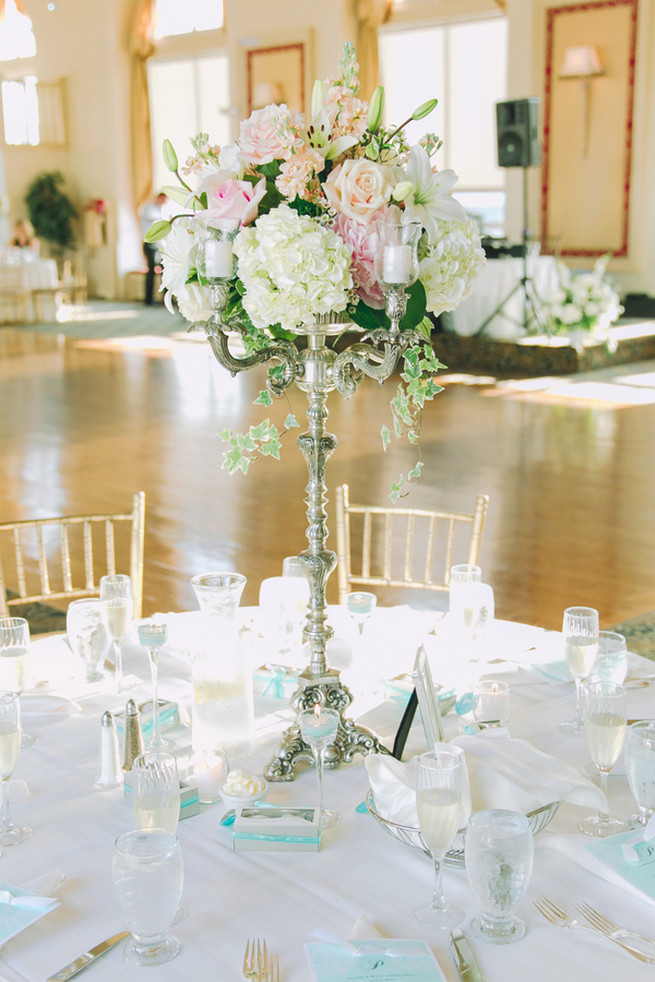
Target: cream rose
[(358, 188)]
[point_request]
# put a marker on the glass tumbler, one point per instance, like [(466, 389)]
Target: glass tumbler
[(640, 765), (147, 876), (499, 851)]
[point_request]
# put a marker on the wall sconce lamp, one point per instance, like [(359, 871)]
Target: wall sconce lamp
[(582, 62)]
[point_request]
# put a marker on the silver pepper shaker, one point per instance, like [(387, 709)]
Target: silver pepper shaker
[(111, 775), (133, 739)]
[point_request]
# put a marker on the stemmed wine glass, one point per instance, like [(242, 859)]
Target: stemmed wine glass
[(10, 733), (116, 596), (580, 632), (605, 723), (14, 646), (319, 729), (440, 783), (152, 637)]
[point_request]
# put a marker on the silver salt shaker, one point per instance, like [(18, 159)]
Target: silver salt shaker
[(111, 775)]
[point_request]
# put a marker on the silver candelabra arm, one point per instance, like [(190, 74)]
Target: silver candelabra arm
[(377, 359), (283, 351)]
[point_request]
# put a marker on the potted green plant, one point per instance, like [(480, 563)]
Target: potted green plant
[(51, 211)]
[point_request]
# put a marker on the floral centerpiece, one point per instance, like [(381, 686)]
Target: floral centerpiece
[(303, 202), (584, 302)]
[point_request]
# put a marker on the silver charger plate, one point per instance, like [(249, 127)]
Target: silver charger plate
[(410, 836)]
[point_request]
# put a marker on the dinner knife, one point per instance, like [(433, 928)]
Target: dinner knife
[(89, 956), (465, 960)]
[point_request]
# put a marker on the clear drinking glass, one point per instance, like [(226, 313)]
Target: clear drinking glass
[(10, 734), (605, 724), (640, 765), (360, 606), (14, 648), (611, 664), (499, 850), (471, 602), (147, 876), (580, 632), (491, 703), (319, 731), (440, 782), (116, 596), (87, 635), (156, 791), (152, 637)]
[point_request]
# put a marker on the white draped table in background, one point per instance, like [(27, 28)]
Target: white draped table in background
[(494, 285), (287, 897)]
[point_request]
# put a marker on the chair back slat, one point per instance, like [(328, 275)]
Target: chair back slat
[(403, 547), (66, 569), (20, 566)]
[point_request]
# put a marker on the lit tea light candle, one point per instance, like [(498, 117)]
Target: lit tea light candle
[(218, 258), (318, 724), (397, 264), (210, 769)]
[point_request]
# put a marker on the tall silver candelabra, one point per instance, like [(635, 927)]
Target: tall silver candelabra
[(317, 370)]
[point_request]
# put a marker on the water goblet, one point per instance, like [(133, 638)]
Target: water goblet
[(580, 633), (10, 733), (147, 876), (152, 637), (14, 647), (116, 596), (491, 703), (440, 782), (499, 851), (318, 728), (156, 791), (360, 606), (640, 765), (87, 635), (605, 723)]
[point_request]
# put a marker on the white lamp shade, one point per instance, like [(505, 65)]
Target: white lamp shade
[(580, 62)]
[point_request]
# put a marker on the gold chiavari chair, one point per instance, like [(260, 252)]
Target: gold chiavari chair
[(63, 558), (403, 547)]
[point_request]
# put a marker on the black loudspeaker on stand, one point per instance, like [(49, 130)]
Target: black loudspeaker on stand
[(517, 131)]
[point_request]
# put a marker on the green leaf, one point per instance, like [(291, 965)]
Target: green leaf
[(260, 432), (291, 421), (386, 437), (271, 449), (263, 399), (415, 306), (415, 472), (368, 317), (396, 488), (157, 231)]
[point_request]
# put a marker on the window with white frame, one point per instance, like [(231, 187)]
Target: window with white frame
[(464, 65), (33, 112), (174, 17)]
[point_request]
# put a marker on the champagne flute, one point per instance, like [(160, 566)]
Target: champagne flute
[(152, 637), (116, 596), (640, 765), (319, 729), (147, 876), (14, 646), (440, 782), (605, 723), (580, 631), (10, 733)]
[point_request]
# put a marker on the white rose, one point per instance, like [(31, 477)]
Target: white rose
[(358, 188)]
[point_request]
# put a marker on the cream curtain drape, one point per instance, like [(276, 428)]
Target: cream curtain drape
[(371, 15), (142, 48), (3, 8)]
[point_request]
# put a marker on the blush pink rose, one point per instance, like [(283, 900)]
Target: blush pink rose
[(261, 136), (363, 240), (233, 203), (358, 188)]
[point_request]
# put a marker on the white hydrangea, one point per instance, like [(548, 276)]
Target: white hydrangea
[(449, 266), (292, 269), (584, 300)]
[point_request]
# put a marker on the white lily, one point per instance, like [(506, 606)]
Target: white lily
[(317, 135), (431, 199)]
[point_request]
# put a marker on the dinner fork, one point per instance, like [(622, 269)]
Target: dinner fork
[(253, 960), (559, 918), (608, 927)]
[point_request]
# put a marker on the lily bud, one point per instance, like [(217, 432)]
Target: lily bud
[(318, 97), (170, 157), (425, 109), (402, 190), (375, 107), (157, 231)]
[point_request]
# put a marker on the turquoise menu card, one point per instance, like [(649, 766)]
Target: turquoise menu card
[(19, 909), (629, 856), (381, 960)]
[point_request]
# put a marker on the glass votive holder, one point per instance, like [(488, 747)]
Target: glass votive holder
[(209, 768), (491, 703)]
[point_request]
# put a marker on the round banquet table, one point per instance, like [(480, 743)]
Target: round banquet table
[(293, 898)]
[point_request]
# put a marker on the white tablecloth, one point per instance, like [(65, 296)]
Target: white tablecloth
[(287, 897), (494, 287), (32, 274)]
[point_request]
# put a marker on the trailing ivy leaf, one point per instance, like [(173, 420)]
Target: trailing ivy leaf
[(291, 421), (396, 488), (386, 437), (415, 472), (263, 399), (271, 449), (261, 431)]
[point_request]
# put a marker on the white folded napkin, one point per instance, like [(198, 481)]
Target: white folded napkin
[(503, 773)]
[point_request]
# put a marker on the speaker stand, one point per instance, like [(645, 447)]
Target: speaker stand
[(534, 308)]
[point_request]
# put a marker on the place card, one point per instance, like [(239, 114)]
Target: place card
[(20, 908), (379, 960), (630, 856)]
